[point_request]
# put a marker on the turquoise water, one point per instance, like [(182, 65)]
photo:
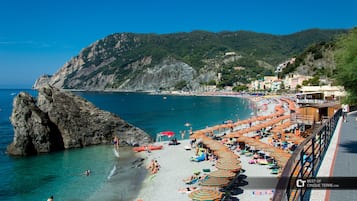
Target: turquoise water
[(60, 173), (156, 113)]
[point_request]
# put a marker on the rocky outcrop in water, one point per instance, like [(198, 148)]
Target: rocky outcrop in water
[(60, 120)]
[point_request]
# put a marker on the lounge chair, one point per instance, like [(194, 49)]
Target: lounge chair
[(263, 162), (274, 171)]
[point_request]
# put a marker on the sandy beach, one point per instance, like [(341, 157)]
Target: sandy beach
[(175, 165)]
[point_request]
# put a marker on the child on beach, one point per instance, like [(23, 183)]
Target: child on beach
[(153, 166)]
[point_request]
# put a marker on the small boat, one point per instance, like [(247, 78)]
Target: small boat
[(146, 148)]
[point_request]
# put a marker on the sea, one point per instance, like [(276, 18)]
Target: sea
[(112, 179)]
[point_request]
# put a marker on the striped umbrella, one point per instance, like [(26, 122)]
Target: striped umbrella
[(215, 182), (282, 160), (205, 195), (270, 149), (222, 173), (226, 154), (216, 146), (227, 160), (228, 166)]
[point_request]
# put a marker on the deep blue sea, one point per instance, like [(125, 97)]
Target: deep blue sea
[(60, 174)]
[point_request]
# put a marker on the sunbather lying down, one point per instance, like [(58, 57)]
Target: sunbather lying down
[(195, 178), (187, 189), (191, 178)]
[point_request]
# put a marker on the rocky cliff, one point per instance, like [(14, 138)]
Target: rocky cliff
[(180, 61), (316, 60), (60, 120)]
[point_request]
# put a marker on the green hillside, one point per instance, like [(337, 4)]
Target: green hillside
[(124, 56)]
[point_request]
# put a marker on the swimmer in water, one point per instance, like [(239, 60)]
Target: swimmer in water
[(87, 173)]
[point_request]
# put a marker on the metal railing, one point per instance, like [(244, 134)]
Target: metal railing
[(305, 162)]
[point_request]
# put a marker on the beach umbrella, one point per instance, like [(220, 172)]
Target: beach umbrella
[(197, 134), (281, 160), (218, 148), (213, 145), (222, 173), (215, 182), (269, 149), (226, 154), (167, 133), (279, 154), (259, 145), (205, 195), (228, 166), (229, 161)]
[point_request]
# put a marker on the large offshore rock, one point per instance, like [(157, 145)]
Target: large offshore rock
[(62, 120), (34, 131)]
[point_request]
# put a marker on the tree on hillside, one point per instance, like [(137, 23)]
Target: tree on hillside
[(315, 81), (346, 64)]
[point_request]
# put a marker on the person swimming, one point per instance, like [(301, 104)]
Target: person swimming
[(87, 172)]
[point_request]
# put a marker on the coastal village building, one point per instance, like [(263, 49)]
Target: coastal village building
[(265, 84), (293, 80), (318, 103), (328, 92), (276, 85), (273, 83)]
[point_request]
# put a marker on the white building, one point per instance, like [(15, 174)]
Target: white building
[(327, 90), (276, 85)]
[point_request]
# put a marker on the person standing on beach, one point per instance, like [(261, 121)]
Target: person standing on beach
[(116, 142)]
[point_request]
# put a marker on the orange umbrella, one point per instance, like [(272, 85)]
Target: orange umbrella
[(259, 146), (228, 166), (269, 149), (222, 173), (282, 160), (215, 182), (230, 161), (216, 146), (205, 195)]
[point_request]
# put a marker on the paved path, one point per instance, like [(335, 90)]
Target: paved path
[(346, 158)]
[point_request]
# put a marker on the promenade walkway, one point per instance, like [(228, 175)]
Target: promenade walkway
[(346, 158), (340, 161)]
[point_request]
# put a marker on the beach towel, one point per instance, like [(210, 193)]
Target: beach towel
[(200, 158)]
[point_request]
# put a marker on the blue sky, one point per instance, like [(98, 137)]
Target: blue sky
[(39, 36)]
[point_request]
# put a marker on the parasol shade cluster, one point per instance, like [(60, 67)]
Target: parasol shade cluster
[(205, 195)]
